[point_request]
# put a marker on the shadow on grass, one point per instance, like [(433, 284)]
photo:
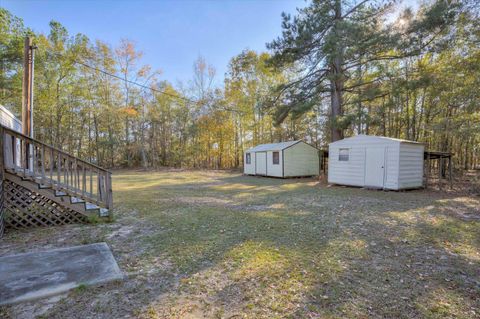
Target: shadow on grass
[(403, 261), (276, 248)]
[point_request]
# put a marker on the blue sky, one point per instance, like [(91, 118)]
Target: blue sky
[(172, 34)]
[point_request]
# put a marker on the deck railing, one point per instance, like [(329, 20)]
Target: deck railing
[(51, 167)]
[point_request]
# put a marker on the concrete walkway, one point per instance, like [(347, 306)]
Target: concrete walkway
[(42, 274)]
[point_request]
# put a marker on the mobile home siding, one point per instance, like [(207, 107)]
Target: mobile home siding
[(9, 120), (411, 165), (300, 159)]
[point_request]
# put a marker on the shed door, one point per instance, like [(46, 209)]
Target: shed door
[(261, 163), (375, 166)]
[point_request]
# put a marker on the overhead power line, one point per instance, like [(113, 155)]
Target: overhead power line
[(127, 80), (133, 82)]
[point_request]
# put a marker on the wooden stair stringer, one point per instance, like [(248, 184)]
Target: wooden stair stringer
[(63, 188), (63, 200)]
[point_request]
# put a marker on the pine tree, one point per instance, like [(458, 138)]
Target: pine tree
[(329, 40)]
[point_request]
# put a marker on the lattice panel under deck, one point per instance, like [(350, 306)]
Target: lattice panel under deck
[(2, 209), (25, 208)]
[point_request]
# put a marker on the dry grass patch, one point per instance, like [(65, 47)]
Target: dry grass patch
[(205, 244)]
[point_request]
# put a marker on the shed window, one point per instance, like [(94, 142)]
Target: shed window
[(276, 158), (248, 158), (343, 154)]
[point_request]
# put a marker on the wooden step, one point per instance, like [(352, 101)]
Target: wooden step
[(66, 189), (60, 197), (55, 174)]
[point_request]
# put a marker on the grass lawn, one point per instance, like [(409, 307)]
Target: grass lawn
[(205, 244)]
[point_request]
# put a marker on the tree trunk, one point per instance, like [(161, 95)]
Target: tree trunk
[(337, 80), (127, 143)]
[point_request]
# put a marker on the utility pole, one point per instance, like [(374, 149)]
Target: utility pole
[(27, 96), (27, 100)]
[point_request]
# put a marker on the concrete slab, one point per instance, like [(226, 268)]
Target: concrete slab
[(41, 274)]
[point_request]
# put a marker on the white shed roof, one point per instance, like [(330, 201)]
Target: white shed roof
[(272, 146), (372, 138)]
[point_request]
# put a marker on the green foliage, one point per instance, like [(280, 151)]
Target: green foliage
[(410, 74), (93, 219), (330, 44), (81, 288), (324, 44), (12, 32)]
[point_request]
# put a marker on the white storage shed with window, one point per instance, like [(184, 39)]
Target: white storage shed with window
[(376, 162), (286, 159)]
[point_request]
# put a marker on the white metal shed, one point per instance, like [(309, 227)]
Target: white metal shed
[(377, 162), (286, 159)]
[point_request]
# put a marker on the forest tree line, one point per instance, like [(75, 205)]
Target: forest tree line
[(337, 70)]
